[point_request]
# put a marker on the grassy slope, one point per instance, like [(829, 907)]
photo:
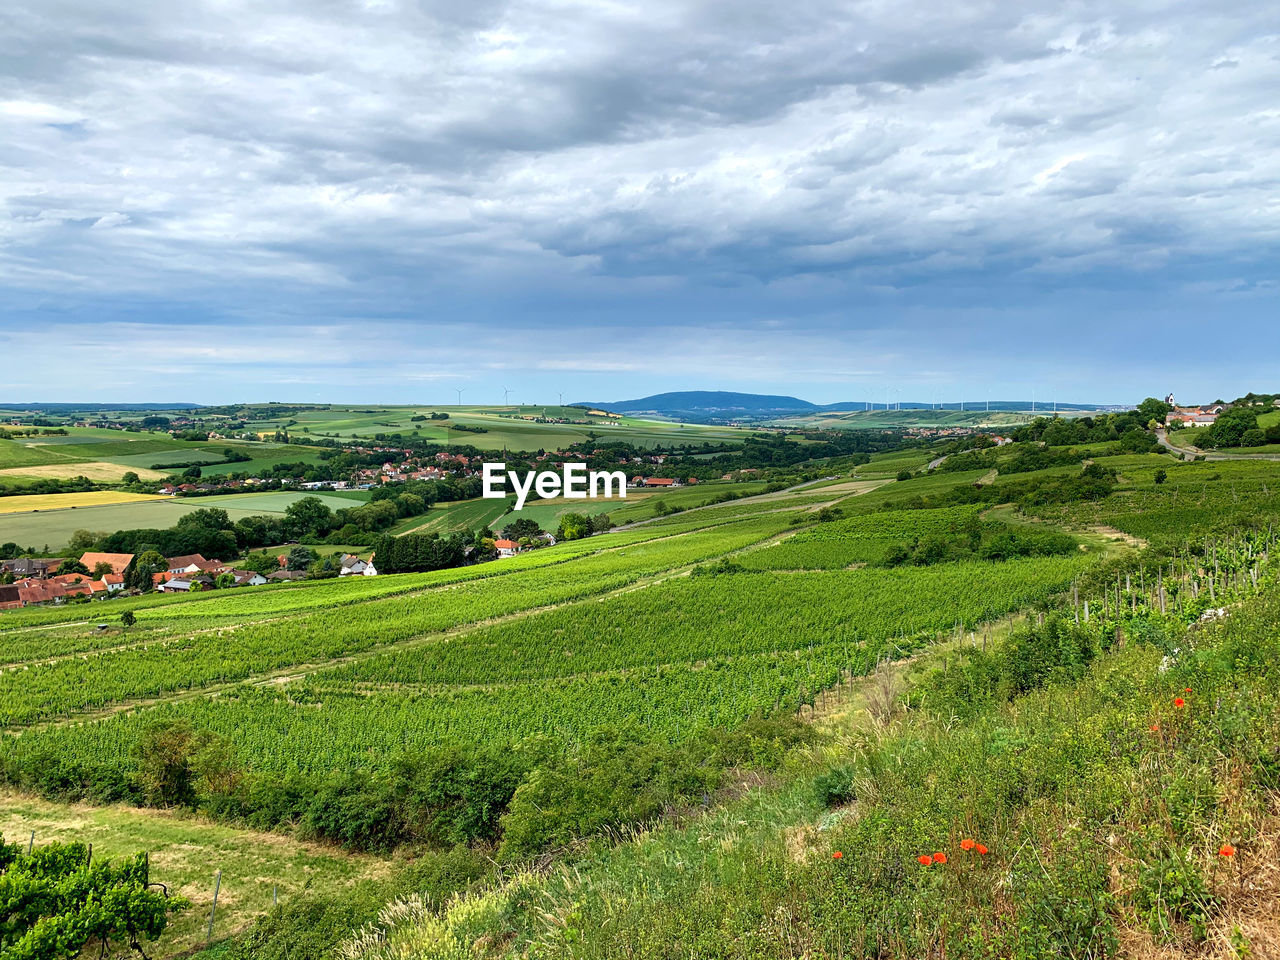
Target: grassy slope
[(185, 853)]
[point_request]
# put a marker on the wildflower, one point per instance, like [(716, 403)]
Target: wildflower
[(1179, 702), (1226, 850), (837, 855), (981, 849), (1155, 728), (966, 844), (939, 858), (1188, 690), (925, 860)]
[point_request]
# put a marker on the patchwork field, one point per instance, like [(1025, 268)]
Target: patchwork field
[(106, 455)]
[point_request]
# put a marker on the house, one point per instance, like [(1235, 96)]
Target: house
[(191, 563), (119, 562), (9, 597), (247, 578), (39, 591), (660, 482), (506, 548), (353, 566), (23, 567), (174, 585)]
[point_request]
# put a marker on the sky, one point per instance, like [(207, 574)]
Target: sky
[(385, 201)]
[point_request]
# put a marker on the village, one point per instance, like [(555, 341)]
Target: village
[(36, 580)]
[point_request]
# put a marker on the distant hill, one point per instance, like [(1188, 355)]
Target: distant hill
[(721, 404), (704, 403)]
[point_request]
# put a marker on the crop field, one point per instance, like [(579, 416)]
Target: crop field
[(106, 455), (858, 540), (63, 501), (504, 426), (54, 528)]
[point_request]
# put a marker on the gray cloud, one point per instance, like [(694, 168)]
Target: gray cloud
[(444, 160)]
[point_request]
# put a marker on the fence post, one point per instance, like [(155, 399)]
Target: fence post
[(217, 885), (31, 843)]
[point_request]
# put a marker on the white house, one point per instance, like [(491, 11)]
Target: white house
[(353, 566)]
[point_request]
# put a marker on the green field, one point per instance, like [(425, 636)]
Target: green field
[(53, 528)]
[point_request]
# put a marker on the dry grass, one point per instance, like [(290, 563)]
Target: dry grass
[(62, 501), (1247, 921), (93, 469)]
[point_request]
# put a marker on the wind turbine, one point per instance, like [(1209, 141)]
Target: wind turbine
[(505, 395), (458, 391)]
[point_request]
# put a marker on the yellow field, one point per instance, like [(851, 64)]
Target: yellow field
[(94, 470), (57, 501)]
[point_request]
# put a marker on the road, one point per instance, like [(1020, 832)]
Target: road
[(1163, 437)]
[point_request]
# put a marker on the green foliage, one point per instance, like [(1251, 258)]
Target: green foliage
[(56, 903)]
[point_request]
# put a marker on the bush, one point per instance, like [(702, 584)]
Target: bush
[(835, 786)]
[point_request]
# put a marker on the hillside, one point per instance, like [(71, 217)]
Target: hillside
[(692, 714)]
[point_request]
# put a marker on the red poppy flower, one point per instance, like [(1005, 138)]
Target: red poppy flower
[(1155, 728), (925, 859), (1188, 690), (1226, 850), (981, 849), (837, 855), (1179, 702), (966, 844), (939, 858)]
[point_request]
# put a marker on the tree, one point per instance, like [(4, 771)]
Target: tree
[(310, 515), (523, 527), (130, 478), (82, 540), (573, 526), (1161, 476), (1253, 437), (261, 562), (192, 472), (300, 558), (128, 619), (101, 569), (1153, 409), (72, 565), (224, 580), (210, 518)]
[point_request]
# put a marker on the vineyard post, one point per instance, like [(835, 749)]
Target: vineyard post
[(217, 885), (31, 843)]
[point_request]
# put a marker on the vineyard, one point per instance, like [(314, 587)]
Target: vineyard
[(657, 640)]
